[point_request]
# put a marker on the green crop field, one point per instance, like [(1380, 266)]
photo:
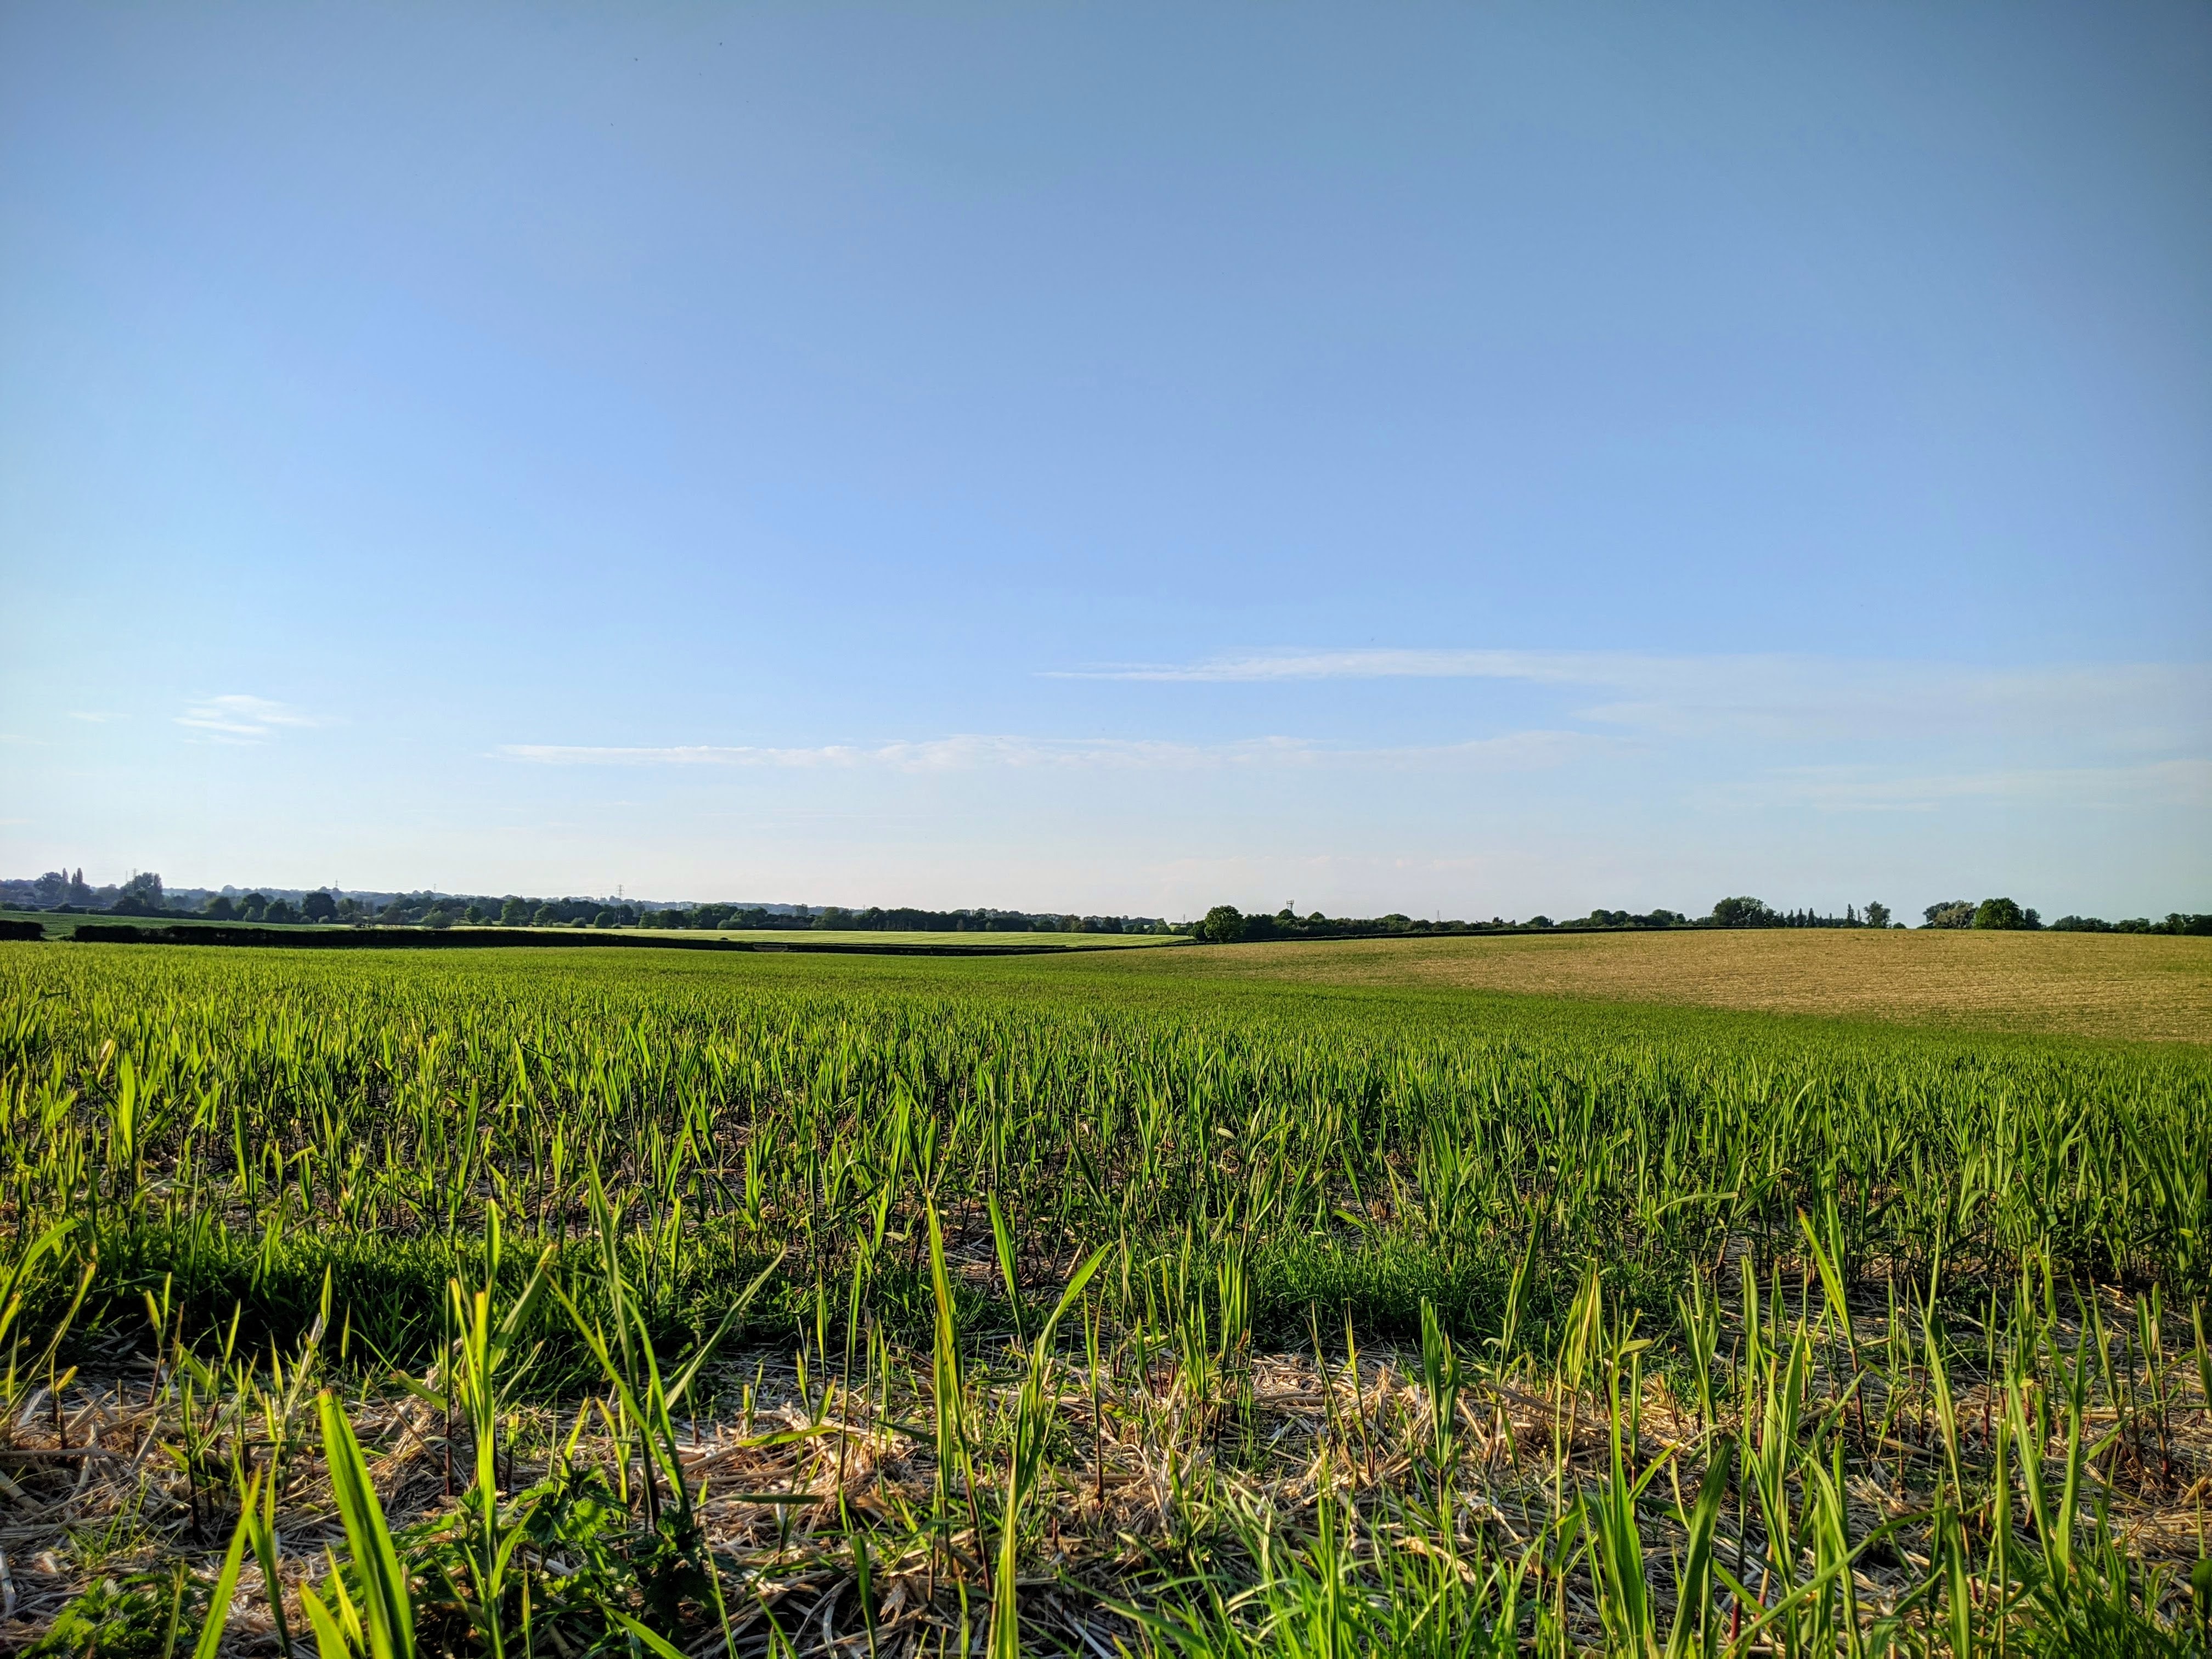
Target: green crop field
[(562, 1302), (64, 927), (968, 941)]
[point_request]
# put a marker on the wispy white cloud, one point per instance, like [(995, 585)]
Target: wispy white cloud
[(2131, 706), (940, 754), (1566, 667), (979, 752), (235, 717)]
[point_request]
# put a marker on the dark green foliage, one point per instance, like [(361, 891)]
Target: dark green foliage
[(1224, 925), (1742, 913), (2199, 927), (2105, 1612)]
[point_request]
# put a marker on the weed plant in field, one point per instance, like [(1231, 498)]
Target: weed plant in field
[(575, 1305)]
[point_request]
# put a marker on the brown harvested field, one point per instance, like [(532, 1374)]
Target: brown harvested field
[(2130, 986)]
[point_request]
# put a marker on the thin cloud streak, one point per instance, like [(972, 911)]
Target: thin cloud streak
[(1563, 667), (980, 753), (237, 718), (2129, 706)]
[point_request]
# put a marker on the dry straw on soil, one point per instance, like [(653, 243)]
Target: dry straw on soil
[(2144, 987)]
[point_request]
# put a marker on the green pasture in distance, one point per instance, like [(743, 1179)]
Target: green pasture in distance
[(62, 927), (977, 939)]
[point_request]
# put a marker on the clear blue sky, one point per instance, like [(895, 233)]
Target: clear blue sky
[(1473, 458)]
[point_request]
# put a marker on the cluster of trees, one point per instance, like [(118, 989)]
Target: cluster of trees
[(450, 911), (900, 919), (1224, 924), (1228, 926), (55, 889), (2176, 922), (1604, 918), (255, 907), (326, 907), (2001, 913), (143, 895), (67, 891), (1755, 913)]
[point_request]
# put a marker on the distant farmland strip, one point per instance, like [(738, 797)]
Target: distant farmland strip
[(412, 938)]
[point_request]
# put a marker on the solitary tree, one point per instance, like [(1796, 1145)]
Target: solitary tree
[(1224, 925), (1877, 914), (140, 895), (1742, 913)]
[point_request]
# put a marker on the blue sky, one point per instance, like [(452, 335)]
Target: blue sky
[(1475, 459)]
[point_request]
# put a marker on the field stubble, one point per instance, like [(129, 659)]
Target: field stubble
[(2139, 988)]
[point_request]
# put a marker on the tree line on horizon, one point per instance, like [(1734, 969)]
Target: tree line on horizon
[(1224, 924), (142, 895)]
